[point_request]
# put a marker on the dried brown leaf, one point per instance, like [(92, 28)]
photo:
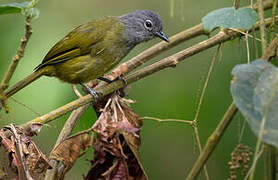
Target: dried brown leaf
[(9, 146), (69, 150), (116, 149), (36, 161)]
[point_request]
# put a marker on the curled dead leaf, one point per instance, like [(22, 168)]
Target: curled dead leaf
[(69, 150)]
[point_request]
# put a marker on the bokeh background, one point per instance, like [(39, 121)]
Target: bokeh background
[(168, 150)]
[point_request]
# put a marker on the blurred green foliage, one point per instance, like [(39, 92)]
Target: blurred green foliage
[(168, 149)]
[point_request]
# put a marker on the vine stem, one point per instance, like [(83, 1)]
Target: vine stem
[(212, 141)]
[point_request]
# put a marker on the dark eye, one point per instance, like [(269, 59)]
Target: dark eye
[(148, 24)]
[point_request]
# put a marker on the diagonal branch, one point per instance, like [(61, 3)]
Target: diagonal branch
[(170, 61)]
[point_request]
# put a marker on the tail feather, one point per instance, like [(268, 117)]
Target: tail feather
[(23, 83)]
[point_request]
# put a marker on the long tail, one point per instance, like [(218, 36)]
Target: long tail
[(24, 82)]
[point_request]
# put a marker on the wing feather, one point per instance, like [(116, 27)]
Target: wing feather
[(78, 42)]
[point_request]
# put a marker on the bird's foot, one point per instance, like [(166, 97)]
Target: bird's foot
[(91, 91)]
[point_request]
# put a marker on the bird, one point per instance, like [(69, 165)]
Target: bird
[(93, 48)]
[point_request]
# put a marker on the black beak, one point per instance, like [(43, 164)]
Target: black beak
[(162, 36)]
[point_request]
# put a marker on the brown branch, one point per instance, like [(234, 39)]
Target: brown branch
[(212, 141), (19, 54), (170, 61)]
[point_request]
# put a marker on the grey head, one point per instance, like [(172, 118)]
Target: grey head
[(142, 25)]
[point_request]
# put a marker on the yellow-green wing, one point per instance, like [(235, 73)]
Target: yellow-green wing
[(78, 42)]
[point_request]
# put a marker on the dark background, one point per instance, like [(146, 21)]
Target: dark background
[(168, 149)]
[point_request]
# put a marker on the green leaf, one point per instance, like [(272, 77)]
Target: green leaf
[(242, 18), (13, 8), (255, 92)]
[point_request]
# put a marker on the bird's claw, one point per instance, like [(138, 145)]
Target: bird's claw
[(91, 91)]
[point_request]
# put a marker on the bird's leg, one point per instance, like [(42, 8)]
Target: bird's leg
[(91, 91), (110, 81)]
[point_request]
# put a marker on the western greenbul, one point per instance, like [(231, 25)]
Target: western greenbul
[(93, 48)]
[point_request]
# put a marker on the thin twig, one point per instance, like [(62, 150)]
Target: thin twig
[(20, 150), (75, 90), (19, 54), (246, 34), (206, 83), (26, 106), (168, 120), (247, 48), (196, 132), (212, 142), (242, 131), (195, 121)]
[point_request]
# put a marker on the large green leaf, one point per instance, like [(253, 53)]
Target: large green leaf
[(13, 8), (255, 92), (242, 18)]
